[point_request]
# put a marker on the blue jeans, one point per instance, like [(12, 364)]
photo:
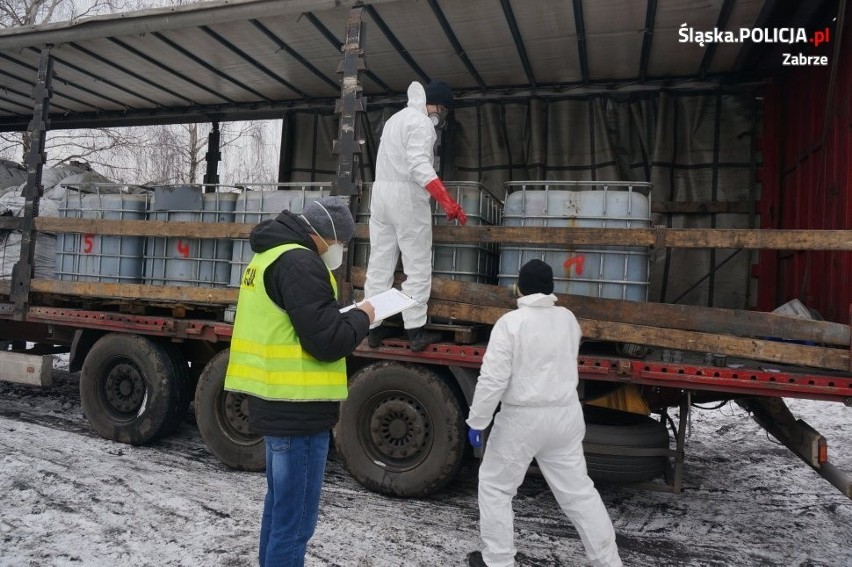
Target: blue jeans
[(295, 466)]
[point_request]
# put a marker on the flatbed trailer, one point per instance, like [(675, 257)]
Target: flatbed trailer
[(145, 351), (197, 334)]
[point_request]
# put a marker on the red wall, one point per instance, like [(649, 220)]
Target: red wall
[(808, 184)]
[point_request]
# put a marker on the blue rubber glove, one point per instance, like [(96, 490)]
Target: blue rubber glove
[(475, 437)]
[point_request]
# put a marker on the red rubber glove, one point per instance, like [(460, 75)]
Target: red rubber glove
[(439, 192)]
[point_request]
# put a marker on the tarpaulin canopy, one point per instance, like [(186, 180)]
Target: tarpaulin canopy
[(239, 59)]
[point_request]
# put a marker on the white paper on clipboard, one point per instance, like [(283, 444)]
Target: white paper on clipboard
[(387, 303)]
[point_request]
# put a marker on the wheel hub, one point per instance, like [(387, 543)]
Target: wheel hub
[(399, 428), (236, 412), (125, 388)]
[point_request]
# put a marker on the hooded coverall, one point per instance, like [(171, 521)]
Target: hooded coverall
[(530, 366), (400, 213)]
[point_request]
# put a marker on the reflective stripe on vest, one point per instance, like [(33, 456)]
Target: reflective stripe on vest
[(267, 359)]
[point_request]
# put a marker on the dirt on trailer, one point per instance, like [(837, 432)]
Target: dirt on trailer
[(68, 497)]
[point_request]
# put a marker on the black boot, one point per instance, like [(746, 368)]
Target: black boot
[(377, 335), (474, 559), (421, 338)]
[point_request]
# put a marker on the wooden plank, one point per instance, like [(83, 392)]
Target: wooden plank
[(30, 369), (782, 353), (174, 229), (560, 236), (684, 317), (138, 292), (11, 223), (668, 237), (703, 207), (758, 239)]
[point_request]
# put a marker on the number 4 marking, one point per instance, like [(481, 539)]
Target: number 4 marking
[(183, 248)]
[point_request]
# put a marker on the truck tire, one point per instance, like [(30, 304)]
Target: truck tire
[(222, 419), (131, 388), (620, 429), (181, 367), (401, 430)]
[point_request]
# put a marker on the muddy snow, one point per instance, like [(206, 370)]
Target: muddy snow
[(68, 497)]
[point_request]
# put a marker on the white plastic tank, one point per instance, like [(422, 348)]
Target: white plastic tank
[(190, 261), (466, 262), (254, 206), (97, 258), (614, 272)]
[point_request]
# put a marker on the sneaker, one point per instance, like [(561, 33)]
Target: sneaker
[(421, 338), (377, 335), (474, 559)]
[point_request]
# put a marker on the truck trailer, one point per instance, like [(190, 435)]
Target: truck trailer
[(684, 180)]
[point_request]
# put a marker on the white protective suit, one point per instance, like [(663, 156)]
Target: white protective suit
[(400, 212), (530, 366)]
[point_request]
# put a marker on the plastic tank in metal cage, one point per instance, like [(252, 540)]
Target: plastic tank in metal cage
[(614, 272), (465, 262), (261, 202), (190, 261), (97, 258)]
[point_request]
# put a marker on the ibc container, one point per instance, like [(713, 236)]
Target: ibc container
[(97, 258), (254, 206), (190, 261), (464, 262), (614, 272)]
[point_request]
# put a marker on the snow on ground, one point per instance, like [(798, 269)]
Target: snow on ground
[(68, 497)]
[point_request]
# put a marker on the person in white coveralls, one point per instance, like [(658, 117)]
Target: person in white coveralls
[(530, 368), (400, 214)]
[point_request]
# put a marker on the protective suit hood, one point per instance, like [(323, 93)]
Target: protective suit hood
[(417, 97), (537, 300)]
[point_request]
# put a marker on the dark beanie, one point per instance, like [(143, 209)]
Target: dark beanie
[(327, 210), (535, 277), (439, 92)]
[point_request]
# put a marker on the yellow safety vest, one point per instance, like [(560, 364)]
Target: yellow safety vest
[(267, 360)]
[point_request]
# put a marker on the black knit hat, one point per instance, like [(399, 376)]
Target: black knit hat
[(439, 93), (535, 277)]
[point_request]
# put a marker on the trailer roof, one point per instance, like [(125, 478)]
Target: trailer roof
[(240, 59)]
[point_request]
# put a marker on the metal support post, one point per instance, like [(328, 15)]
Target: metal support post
[(348, 145), (22, 273), (685, 408), (213, 157)]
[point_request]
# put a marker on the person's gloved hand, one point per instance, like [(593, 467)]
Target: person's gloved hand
[(475, 437), (439, 192)]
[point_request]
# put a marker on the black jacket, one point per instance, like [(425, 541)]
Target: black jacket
[(298, 283)]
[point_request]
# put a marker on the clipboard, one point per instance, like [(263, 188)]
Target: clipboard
[(387, 303)]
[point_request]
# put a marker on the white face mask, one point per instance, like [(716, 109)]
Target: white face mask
[(333, 257)]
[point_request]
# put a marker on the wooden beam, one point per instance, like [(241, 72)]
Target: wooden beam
[(664, 315), (781, 353), (661, 236), (482, 312), (560, 236), (172, 229), (138, 292), (11, 223), (703, 207)]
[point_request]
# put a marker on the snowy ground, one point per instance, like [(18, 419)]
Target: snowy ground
[(68, 497)]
